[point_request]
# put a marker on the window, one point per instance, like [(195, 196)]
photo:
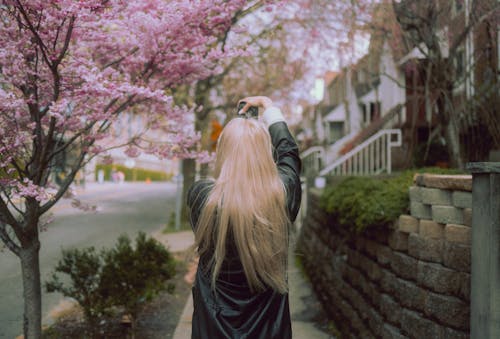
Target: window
[(336, 131), (363, 112), (374, 110)]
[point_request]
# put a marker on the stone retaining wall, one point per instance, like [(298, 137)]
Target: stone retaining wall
[(410, 281)]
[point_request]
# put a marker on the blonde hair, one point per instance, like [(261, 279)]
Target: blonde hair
[(248, 203)]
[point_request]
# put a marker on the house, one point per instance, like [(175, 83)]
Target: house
[(361, 99), (396, 85), (452, 85)]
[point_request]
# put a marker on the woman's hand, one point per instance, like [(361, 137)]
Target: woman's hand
[(259, 101)]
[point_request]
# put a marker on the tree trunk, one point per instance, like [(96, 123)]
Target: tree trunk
[(188, 172), (30, 265), (189, 165), (453, 144)]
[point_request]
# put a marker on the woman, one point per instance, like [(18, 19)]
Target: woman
[(241, 221)]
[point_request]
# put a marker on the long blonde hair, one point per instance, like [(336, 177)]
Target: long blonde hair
[(247, 202)]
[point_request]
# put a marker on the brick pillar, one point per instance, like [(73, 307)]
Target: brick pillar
[(485, 279)]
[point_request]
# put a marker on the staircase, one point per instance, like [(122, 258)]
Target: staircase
[(371, 157)]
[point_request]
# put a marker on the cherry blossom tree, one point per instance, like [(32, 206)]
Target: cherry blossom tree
[(285, 43), (68, 69)]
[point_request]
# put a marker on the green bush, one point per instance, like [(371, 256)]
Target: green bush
[(133, 174), (84, 270), (132, 277), (359, 203), (122, 277)]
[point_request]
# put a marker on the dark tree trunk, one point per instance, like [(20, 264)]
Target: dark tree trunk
[(453, 143), (189, 165), (30, 265), (189, 172), (450, 128)]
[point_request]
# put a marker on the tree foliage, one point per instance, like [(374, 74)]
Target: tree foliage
[(68, 69), (124, 277)]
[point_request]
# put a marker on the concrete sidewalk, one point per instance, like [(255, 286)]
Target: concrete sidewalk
[(303, 303)]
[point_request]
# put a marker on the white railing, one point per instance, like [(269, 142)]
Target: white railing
[(371, 157), (312, 159)]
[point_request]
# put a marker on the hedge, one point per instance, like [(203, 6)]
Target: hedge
[(359, 203), (133, 174)]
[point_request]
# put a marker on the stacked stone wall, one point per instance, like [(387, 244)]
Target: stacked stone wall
[(408, 281)]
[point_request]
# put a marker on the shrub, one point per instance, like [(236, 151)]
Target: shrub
[(84, 269), (123, 276), (133, 174), (132, 277), (358, 203)]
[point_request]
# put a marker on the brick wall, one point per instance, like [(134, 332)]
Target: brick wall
[(409, 281)]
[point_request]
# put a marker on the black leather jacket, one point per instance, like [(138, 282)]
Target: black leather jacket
[(233, 311)]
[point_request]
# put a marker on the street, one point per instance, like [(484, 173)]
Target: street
[(123, 208)]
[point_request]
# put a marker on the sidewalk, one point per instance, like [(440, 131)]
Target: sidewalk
[(303, 303)]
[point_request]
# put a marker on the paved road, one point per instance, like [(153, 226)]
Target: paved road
[(124, 208)]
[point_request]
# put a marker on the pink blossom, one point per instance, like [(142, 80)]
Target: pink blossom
[(132, 152)]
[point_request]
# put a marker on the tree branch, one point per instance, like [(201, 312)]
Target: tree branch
[(459, 40), (66, 183), (6, 215), (33, 30), (67, 40), (11, 245)]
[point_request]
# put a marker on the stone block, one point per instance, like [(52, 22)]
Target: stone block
[(357, 302), (375, 321), (420, 211), (414, 193), (448, 310), (391, 332), (426, 249), (345, 308), (398, 241), (465, 286), (371, 248), (439, 279), (384, 256), (435, 196), (360, 243), (353, 257), (445, 181), (338, 264), (388, 282), (462, 199), (354, 277), (450, 333), (408, 224), (430, 229), (447, 214), (381, 235), (404, 266), (457, 256), (390, 309), (467, 216), (374, 294), (415, 326), (458, 234), (410, 295), (370, 268)]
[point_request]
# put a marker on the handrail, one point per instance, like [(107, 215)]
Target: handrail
[(370, 157), (312, 159), (311, 150)]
